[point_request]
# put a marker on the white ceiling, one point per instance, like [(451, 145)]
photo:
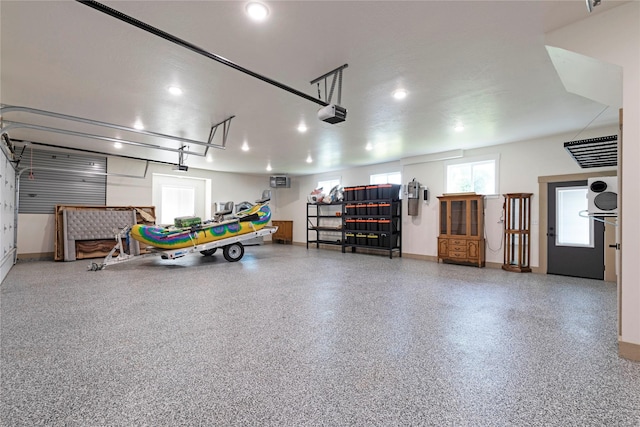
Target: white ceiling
[(482, 63)]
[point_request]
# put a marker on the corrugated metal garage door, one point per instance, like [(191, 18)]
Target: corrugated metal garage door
[(41, 190)]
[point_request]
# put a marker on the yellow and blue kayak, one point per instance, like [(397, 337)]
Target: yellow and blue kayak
[(252, 219)]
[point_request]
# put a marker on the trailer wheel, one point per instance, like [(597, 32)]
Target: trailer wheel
[(233, 252), (209, 252)]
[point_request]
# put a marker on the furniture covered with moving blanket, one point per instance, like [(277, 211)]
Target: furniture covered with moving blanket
[(89, 231)]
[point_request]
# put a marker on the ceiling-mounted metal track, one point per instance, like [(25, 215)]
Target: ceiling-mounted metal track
[(328, 93), (24, 144), (169, 37), (17, 125), (226, 125), (13, 108)]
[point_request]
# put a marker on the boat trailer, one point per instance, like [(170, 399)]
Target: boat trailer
[(232, 248)]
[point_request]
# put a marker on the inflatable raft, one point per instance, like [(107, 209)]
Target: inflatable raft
[(247, 221)]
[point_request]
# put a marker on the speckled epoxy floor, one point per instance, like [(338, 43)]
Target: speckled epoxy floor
[(290, 337)]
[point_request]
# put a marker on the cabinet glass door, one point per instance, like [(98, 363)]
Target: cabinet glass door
[(443, 218), (474, 217), (458, 217)]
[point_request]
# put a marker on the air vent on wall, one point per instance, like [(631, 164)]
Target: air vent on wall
[(594, 152)]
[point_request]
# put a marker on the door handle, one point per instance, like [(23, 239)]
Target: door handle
[(551, 235), (616, 246)]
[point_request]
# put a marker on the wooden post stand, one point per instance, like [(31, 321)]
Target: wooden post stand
[(517, 237)]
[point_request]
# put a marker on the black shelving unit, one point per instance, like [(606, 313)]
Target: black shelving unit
[(370, 218), (324, 227), (374, 231)]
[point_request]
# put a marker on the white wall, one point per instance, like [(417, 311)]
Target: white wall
[(36, 232), (612, 36), (136, 191), (521, 164)]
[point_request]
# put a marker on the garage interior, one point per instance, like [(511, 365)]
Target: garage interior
[(181, 111)]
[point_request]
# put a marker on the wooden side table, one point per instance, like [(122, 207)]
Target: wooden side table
[(284, 234)]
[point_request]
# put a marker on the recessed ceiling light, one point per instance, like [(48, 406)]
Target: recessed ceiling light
[(175, 90), (302, 128), (245, 146), (368, 147), (400, 94), (257, 11), (138, 125), (309, 159), (459, 127), (269, 167), (117, 144), (209, 159)]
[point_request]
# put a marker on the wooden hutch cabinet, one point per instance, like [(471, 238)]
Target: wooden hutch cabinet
[(461, 232)]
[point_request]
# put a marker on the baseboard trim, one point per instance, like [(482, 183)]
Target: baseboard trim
[(420, 257), (36, 256), (629, 351)]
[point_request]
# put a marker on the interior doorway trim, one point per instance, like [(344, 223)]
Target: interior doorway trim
[(543, 205)]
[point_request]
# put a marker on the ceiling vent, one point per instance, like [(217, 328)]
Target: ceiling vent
[(594, 152)]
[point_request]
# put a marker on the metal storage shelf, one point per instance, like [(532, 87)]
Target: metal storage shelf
[(318, 219)]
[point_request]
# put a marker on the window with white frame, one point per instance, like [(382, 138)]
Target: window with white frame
[(386, 178), (479, 175), (573, 229), (175, 196), (177, 202), (328, 184)]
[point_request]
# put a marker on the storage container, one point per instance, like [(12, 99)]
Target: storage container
[(361, 224), (360, 193), (389, 209), (349, 194), (372, 240), (361, 239), (388, 224), (384, 224), (372, 224), (372, 209), (187, 221), (361, 209), (388, 240), (371, 192), (389, 191), (350, 209), (350, 224), (350, 238)]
